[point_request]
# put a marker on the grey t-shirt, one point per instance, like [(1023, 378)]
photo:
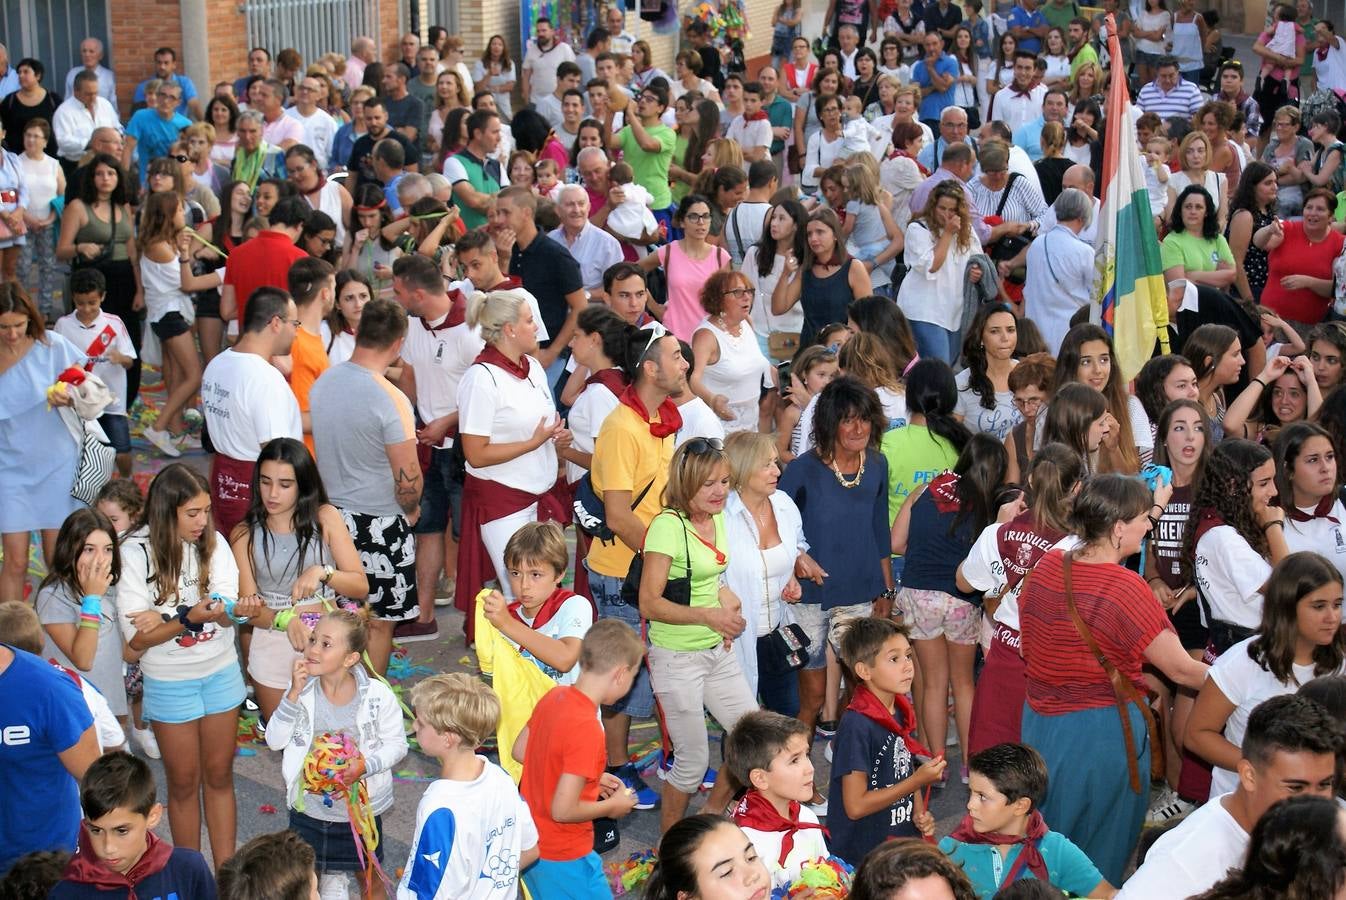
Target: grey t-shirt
[(336, 719), (55, 606), (356, 414)]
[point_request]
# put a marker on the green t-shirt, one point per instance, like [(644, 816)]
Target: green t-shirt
[(651, 169), (1059, 16), (681, 188), (1195, 253), (1087, 54), (915, 456), (672, 535)]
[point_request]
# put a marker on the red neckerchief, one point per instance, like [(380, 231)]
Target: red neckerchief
[(720, 558), (1021, 543), (1029, 856), (550, 607), (759, 116), (510, 283), (670, 420), (322, 183), (1321, 511), (457, 314), (1026, 92), (944, 491), (1207, 519), (101, 342), (613, 379), (489, 354), (86, 868), (756, 811), (922, 169), (866, 704)]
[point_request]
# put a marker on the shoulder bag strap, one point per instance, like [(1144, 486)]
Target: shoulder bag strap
[(1123, 689), (1004, 198), (738, 236)]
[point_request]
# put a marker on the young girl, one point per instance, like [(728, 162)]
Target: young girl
[(123, 504), (1078, 417), (1284, 392), (784, 29), (167, 279), (866, 358), (330, 692), (1162, 380), (812, 369), (1308, 481), (353, 291), (1299, 639), (193, 685), (1058, 62), (985, 401), (76, 607), (706, 856), (1217, 360), (871, 233), (369, 251), (1327, 350), (293, 552), (1087, 356)]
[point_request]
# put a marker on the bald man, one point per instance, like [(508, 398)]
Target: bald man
[(1081, 178), (91, 60)]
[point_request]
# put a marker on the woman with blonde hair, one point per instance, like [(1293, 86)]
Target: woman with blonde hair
[(1052, 167), (1090, 82), (940, 244), (1194, 159)]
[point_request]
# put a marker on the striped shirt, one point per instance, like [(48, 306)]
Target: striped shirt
[(1183, 101), (1024, 204), (1119, 609)]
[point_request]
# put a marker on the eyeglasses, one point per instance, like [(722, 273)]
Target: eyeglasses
[(697, 217), (295, 322), (1027, 404), (174, 97), (735, 292)]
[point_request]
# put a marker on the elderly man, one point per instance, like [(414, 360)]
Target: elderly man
[(1170, 94), (593, 165), (957, 163), (475, 174), (409, 45), (255, 159), (593, 248), (91, 60), (155, 130), (1028, 136), (363, 52), (1060, 269), (318, 126), (165, 69), (259, 66), (105, 139), (614, 21), (952, 130), (278, 129), (76, 119), (9, 77), (1081, 178)]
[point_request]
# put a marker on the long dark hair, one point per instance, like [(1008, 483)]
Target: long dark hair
[(1150, 382), (1294, 578), (1296, 850), (311, 498), (172, 488), (1070, 414), (845, 398), (1226, 488), (932, 392), (1245, 195), (1114, 392), (1055, 471), (1289, 445), (880, 316), (981, 471), (63, 569), (1161, 429), (674, 875), (88, 191), (615, 332), (766, 244), (336, 319), (974, 352), (707, 129)]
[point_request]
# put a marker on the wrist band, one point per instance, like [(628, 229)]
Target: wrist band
[(91, 610), (229, 604), (1279, 522), (93, 624), (283, 619), (188, 624), (1261, 382)]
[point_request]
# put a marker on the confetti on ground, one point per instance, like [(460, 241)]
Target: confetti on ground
[(626, 876), (406, 776), (245, 751)]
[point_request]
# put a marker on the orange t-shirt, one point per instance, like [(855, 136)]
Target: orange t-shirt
[(308, 360), (565, 736)]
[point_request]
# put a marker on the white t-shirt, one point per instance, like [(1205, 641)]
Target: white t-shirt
[(319, 131), (996, 422), (763, 321), (247, 403), (572, 620), (749, 134), (809, 844), (1245, 684), (83, 336), (494, 404), (1332, 68), (469, 836), (439, 359), (1191, 857), (1319, 535), (985, 571), (340, 348), (591, 407), (1230, 574), (750, 217), (698, 420)]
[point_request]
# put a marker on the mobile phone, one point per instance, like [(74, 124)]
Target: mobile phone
[(783, 378)]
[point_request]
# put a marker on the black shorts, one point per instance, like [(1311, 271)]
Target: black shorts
[(1187, 623), (118, 430), (207, 304), (388, 550), (170, 326)]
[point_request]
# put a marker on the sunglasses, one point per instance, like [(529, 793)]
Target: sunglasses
[(703, 445), (656, 330)]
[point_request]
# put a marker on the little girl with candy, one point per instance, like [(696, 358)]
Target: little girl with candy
[(341, 733)]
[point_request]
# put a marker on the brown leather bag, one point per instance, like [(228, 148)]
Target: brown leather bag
[(1124, 691)]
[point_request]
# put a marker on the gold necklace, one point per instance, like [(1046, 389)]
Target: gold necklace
[(841, 479)]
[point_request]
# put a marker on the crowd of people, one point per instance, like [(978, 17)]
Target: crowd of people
[(799, 352)]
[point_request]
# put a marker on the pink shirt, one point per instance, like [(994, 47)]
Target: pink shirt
[(685, 278)]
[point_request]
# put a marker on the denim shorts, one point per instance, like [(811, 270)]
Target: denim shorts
[(570, 879), (333, 843), (118, 430), (607, 594), (442, 498), (170, 326), (179, 702)]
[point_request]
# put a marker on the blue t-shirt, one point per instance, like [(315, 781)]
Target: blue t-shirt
[(1022, 18), (1068, 868), (42, 713), (186, 876), (862, 745), (154, 135), (185, 83), (935, 103)]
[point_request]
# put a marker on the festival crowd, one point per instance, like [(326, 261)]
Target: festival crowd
[(814, 337)]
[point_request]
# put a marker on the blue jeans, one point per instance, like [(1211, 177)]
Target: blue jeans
[(607, 594), (779, 692), (933, 342)]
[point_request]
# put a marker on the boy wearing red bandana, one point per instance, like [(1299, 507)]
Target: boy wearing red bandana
[(877, 775), (120, 857), (1003, 837), (770, 753)]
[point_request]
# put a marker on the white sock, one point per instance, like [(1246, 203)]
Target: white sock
[(333, 886)]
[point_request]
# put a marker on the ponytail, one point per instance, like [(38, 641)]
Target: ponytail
[(1053, 475)]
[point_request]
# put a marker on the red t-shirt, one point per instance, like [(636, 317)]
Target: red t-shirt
[(263, 261), (1119, 609), (1298, 256), (565, 737)]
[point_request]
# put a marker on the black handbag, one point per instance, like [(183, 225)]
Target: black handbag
[(590, 514), (786, 649), (677, 590)]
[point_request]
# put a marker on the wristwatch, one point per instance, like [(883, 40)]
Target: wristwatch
[(327, 573)]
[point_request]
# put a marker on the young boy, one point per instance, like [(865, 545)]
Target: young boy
[(564, 757), (769, 753), (107, 344), (119, 854), (277, 866), (876, 783), (1157, 173), (1003, 837), (532, 644), (473, 832)]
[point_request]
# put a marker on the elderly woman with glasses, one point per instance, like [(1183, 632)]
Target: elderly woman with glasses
[(254, 159), (1286, 150), (730, 367), (694, 620)]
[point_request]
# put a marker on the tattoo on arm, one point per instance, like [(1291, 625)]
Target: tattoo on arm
[(408, 489)]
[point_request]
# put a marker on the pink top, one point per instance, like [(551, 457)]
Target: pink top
[(556, 150), (685, 276)]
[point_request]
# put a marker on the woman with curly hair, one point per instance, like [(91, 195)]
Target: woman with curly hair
[(985, 401), (940, 244), (730, 366), (1087, 357), (1296, 850)]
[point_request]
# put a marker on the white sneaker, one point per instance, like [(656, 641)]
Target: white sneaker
[(188, 441), (163, 441), (827, 751), (145, 738), (1166, 807)]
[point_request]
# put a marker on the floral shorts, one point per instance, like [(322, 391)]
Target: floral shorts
[(933, 614)]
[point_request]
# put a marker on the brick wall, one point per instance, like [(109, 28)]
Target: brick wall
[(137, 28), (227, 43)]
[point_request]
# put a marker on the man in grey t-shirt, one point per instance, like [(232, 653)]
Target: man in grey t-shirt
[(364, 435)]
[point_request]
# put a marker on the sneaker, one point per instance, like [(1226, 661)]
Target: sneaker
[(250, 705), (827, 751), (666, 766), (444, 591), (1167, 807), (188, 441), (409, 632), (708, 780), (826, 728), (964, 774), (646, 798), (163, 442), (145, 738)]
